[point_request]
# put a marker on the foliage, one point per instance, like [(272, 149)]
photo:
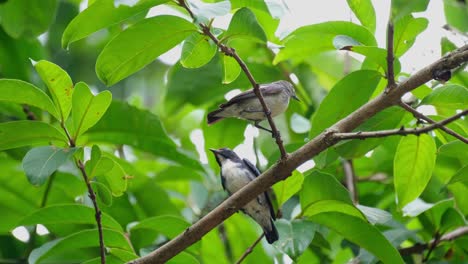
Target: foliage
[(141, 143)]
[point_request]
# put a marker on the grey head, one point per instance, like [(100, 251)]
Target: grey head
[(289, 89), (223, 154)]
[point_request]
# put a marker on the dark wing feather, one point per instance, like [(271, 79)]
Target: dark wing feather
[(267, 89), (223, 182), (256, 172)]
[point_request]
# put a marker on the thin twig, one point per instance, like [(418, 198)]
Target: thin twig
[(432, 246), (351, 180), (378, 177), (418, 248), (402, 131), (419, 115), (98, 212), (250, 249), (390, 57), (228, 51)]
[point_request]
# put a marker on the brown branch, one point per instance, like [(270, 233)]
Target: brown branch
[(98, 212), (282, 170), (418, 115), (390, 57), (350, 177), (401, 131), (250, 249), (419, 248), (228, 51)]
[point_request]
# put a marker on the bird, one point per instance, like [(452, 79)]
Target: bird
[(235, 174), (247, 106)]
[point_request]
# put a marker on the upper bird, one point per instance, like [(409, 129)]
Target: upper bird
[(247, 106), (235, 174)]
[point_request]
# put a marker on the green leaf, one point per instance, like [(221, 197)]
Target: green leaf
[(450, 96), (413, 164), (287, 188), (244, 24), (455, 149), (141, 129), (39, 163), (168, 225), (24, 133), (115, 178), (27, 18), (319, 186), (193, 85), (460, 176), (68, 214), (60, 86), (197, 51), (103, 193), (87, 108), (294, 236), (85, 23), (21, 92), (401, 8), (98, 165), (406, 30), (450, 220), (376, 58), (78, 241), (140, 44), (364, 11), (456, 13), (360, 232), (346, 96), (314, 39), (323, 206), (231, 69), (343, 42), (183, 258), (386, 119)]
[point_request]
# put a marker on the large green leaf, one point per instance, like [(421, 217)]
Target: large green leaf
[(141, 129), (87, 108), (21, 92), (60, 86), (406, 30), (313, 39), (79, 241), (39, 163), (85, 23), (27, 18), (287, 188), (197, 51), (346, 96), (386, 119), (413, 164), (168, 225), (360, 232), (294, 236), (139, 45), (376, 58), (319, 186), (68, 214), (323, 206), (450, 96), (24, 133), (401, 8), (364, 11), (456, 13), (244, 24)]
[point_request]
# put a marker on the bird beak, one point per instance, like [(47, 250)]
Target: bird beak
[(296, 98), (215, 151)]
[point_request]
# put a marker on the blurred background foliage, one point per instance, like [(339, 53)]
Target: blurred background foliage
[(160, 111)]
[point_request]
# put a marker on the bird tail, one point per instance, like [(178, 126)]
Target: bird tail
[(271, 235), (213, 118)]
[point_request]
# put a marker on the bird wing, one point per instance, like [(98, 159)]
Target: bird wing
[(256, 172), (223, 182), (267, 89)]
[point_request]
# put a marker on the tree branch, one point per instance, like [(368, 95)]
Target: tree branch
[(283, 169), (402, 131), (418, 115), (350, 177), (250, 249), (390, 57), (98, 212), (418, 248)]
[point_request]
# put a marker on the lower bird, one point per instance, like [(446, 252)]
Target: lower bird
[(235, 174), (247, 106)]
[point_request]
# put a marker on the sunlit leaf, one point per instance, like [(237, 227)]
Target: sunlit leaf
[(24, 133), (244, 24), (287, 188), (406, 30), (450, 96), (364, 11), (197, 51)]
